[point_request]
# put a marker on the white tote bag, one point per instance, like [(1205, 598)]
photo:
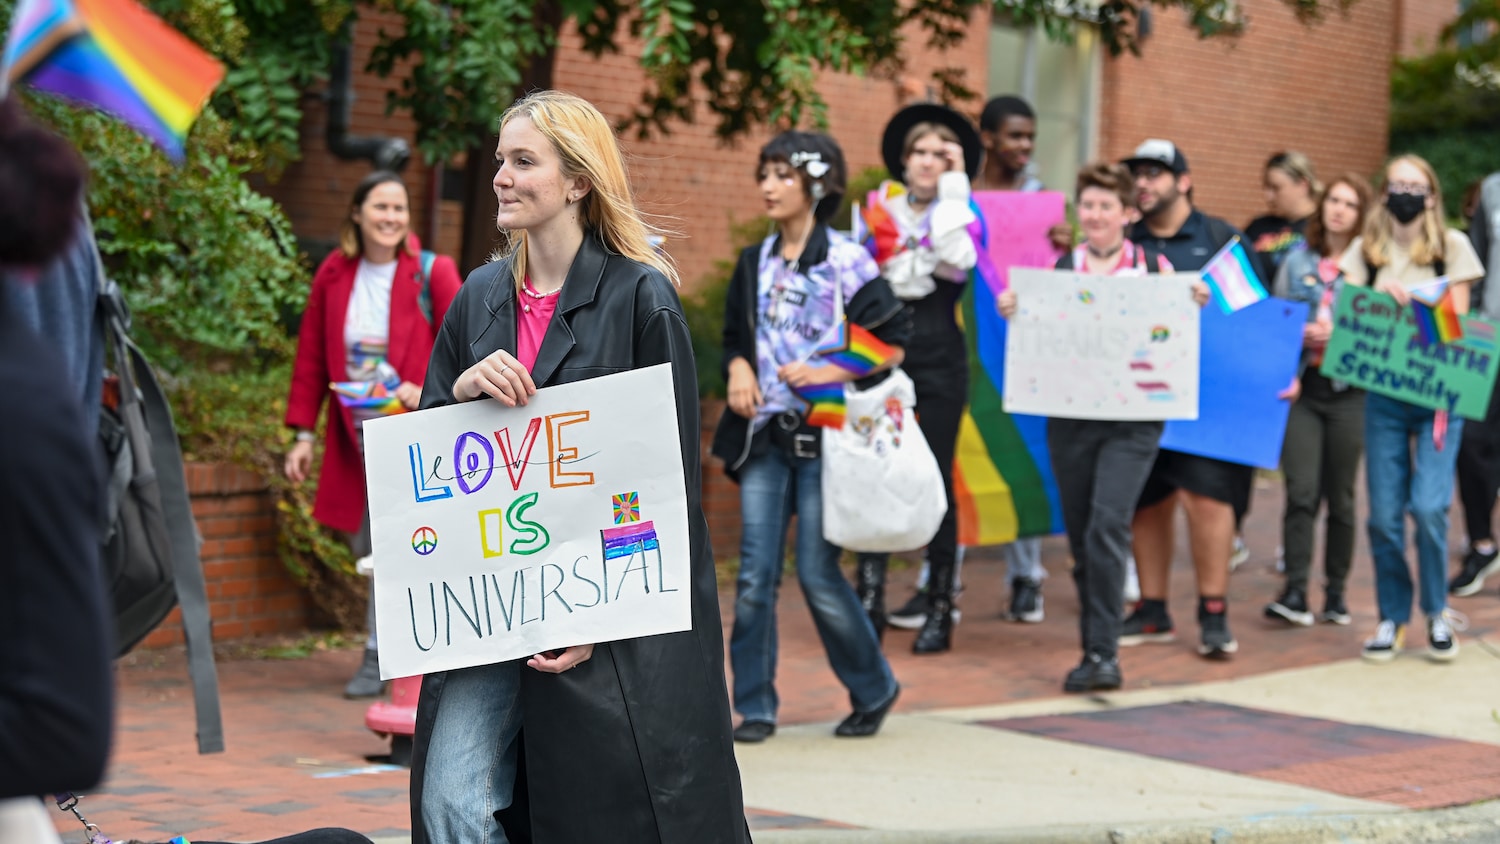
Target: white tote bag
[(882, 489)]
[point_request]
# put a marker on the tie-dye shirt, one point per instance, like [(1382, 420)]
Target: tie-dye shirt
[(796, 311)]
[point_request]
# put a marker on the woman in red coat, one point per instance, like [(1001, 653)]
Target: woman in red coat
[(374, 310)]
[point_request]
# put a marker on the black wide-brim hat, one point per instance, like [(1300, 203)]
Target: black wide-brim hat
[(906, 118)]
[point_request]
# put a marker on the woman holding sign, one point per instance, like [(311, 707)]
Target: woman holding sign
[(1407, 248), (374, 309), (1101, 465), (785, 301), (1325, 429), (626, 740)]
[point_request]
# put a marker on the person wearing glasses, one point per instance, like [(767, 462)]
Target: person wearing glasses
[(1210, 491), (1410, 451)]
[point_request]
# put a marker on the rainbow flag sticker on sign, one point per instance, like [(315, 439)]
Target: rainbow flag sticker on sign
[(116, 56), (1436, 317)]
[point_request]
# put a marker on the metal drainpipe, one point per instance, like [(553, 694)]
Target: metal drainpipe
[(385, 153)]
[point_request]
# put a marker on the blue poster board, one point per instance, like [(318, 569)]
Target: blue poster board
[(1247, 358)]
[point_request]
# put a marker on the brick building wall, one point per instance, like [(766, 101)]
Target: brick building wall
[(249, 591), (1420, 24), (1230, 104)]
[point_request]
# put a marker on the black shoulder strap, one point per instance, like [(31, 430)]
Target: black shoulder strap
[(1220, 231), (1065, 262), (1152, 258), (159, 475)]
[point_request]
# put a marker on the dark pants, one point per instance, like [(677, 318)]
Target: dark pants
[(1479, 471), (1325, 435), (1101, 468), (941, 397)]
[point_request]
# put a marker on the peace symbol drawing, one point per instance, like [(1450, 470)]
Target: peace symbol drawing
[(424, 541)]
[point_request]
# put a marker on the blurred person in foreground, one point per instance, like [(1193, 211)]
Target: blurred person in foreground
[(55, 631)]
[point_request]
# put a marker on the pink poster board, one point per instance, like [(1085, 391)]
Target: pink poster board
[(1017, 225)]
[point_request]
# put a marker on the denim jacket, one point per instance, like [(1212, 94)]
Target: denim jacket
[(1298, 280)]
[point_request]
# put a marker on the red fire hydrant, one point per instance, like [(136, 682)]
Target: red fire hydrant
[(397, 717)]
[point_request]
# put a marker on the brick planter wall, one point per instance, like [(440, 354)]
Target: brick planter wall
[(249, 591)]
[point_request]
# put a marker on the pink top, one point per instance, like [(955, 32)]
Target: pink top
[(531, 326)]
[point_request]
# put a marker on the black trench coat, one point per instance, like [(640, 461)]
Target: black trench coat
[(633, 745)]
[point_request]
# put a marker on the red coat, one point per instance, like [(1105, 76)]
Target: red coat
[(322, 358)]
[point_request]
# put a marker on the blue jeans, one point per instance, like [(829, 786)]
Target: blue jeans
[(773, 487), (1401, 482), (471, 757)]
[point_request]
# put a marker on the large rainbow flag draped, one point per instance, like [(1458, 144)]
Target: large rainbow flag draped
[(1002, 471), (116, 56)]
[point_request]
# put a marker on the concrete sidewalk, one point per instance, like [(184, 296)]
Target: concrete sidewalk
[(1295, 739), (1346, 751)]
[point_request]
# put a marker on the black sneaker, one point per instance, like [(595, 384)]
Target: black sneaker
[(1213, 620), (1291, 607), (911, 614), (754, 732), (1025, 601), (1095, 673), (1476, 567), (1334, 610), (1147, 624), (1442, 644)]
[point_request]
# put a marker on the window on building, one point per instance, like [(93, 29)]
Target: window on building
[(1473, 35), (1061, 81)]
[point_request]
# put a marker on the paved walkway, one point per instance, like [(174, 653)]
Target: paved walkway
[(1295, 737)]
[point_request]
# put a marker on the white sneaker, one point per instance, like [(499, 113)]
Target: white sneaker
[(1239, 554), (1442, 641), (365, 565), (1388, 641), (1132, 583)]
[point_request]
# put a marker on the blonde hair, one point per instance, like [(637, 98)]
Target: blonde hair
[(1429, 245), (587, 147), (1299, 167)]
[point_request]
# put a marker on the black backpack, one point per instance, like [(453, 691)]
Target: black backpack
[(150, 553)]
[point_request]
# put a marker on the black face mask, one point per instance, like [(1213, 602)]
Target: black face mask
[(1405, 207)]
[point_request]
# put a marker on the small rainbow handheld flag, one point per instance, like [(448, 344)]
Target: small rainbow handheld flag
[(825, 404), (1432, 308), (854, 349), (879, 225), (1232, 279), (116, 56), (371, 396)]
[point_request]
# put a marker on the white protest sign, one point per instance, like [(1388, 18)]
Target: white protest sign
[(501, 532), (1102, 347)]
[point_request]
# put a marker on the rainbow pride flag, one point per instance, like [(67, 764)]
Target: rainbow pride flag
[(370, 396), (1231, 277), (1002, 471), (117, 56), (854, 349), (1432, 309), (879, 226), (825, 404)]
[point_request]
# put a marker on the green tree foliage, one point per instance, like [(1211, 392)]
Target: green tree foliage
[(1445, 106)]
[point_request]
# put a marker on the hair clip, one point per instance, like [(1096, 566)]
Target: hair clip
[(812, 162)]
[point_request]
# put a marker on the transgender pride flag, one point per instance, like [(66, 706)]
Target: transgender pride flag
[(1232, 279)]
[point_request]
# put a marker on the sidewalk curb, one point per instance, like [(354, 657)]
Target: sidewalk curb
[(1475, 823)]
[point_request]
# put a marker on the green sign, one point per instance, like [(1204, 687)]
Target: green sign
[(1375, 345)]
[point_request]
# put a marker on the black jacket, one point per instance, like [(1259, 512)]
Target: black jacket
[(873, 306), (633, 745)]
